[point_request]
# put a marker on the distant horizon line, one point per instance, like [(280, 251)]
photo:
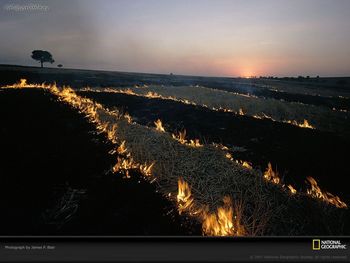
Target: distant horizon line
[(176, 74)]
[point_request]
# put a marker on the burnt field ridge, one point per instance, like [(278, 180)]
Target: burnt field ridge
[(142, 164)]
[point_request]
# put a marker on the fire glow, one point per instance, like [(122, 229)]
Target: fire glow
[(184, 196), (159, 125), (271, 175), (225, 220), (316, 192)]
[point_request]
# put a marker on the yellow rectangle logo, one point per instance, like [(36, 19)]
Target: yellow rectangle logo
[(316, 244)]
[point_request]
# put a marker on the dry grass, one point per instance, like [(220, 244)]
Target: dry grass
[(263, 207), (209, 173), (320, 117)]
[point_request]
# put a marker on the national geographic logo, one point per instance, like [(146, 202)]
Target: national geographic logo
[(329, 244)]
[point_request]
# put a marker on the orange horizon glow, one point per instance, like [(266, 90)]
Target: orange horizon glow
[(187, 37)]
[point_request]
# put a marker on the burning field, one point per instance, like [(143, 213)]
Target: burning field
[(181, 161)]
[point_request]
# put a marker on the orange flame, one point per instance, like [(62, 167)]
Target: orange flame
[(151, 94), (305, 124), (180, 137), (229, 156), (223, 222), (130, 92), (316, 192), (159, 125), (123, 164), (195, 143), (146, 169), (247, 165), (184, 196), (122, 148), (270, 175), (292, 189), (219, 223), (111, 133), (128, 117), (22, 83)]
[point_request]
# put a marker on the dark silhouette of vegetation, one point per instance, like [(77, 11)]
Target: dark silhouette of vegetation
[(60, 65), (341, 82), (42, 56)]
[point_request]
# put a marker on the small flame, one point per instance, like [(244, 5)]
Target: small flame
[(247, 165), (223, 222), (159, 125), (22, 83), (111, 133), (219, 223), (316, 192), (305, 124), (122, 148), (271, 175), (292, 189), (123, 165), (224, 148), (130, 91), (241, 112), (180, 137), (151, 94), (146, 169), (229, 156), (128, 117), (184, 196), (195, 143)]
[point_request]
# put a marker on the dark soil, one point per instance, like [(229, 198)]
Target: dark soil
[(257, 87), (54, 179), (252, 89), (295, 152)]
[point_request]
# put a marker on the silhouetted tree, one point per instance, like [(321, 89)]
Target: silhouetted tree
[(60, 65), (42, 56)]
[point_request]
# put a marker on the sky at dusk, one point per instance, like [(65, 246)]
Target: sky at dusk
[(191, 37)]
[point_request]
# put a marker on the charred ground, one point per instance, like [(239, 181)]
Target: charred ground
[(55, 180)]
